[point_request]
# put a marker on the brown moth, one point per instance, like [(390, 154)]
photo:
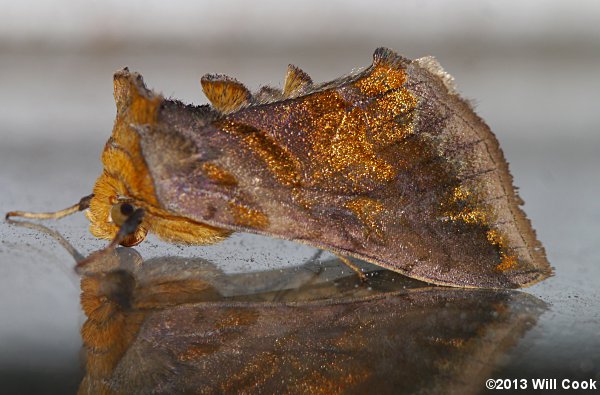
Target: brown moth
[(388, 165)]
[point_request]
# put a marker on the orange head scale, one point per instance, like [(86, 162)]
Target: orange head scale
[(388, 165)]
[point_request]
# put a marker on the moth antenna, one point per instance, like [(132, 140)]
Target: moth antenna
[(83, 204), (296, 82), (129, 226), (226, 94)]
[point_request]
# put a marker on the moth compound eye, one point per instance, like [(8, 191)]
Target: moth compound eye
[(126, 209), (120, 212)]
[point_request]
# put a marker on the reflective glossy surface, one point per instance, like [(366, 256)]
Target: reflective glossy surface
[(181, 326), (54, 128)]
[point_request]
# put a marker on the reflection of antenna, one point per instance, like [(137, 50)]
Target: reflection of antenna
[(128, 227), (52, 233)]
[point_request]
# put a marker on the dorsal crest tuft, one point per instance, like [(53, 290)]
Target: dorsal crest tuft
[(296, 82), (226, 94), (386, 57)]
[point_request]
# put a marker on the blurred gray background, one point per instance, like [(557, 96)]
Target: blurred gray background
[(531, 69)]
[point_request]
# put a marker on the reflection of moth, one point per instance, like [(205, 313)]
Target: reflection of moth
[(388, 165), (164, 327)]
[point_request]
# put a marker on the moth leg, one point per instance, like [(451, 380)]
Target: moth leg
[(83, 204), (355, 268), (313, 277), (129, 226)]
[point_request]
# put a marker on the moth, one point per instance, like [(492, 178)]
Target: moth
[(388, 165)]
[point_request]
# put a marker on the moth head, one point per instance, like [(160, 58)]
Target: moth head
[(110, 207), (126, 184)]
